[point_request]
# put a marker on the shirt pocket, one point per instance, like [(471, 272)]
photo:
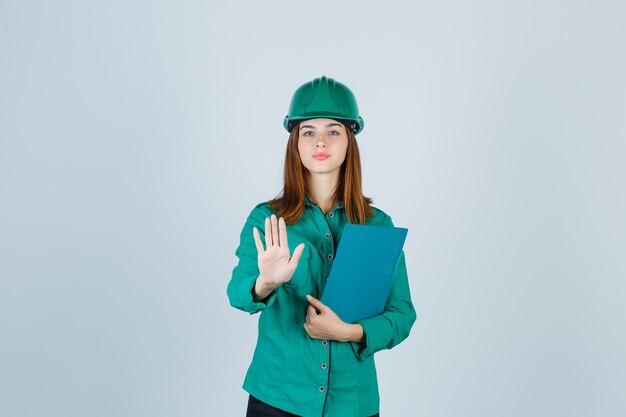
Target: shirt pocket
[(301, 274)]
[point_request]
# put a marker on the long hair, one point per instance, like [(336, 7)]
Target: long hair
[(290, 204)]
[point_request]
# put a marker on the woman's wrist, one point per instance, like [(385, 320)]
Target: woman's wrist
[(353, 333), (261, 290)]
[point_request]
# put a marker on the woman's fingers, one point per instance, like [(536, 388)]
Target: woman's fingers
[(268, 233), (297, 252), (257, 240), (283, 232), (275, 231), (316, 303)]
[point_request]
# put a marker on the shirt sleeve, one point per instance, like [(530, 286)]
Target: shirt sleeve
[(394, 324), (244, 275)]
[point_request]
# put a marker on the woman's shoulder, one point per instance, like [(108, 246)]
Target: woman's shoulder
[(262, 209), (263, 205), (258, 213), (380, 217)]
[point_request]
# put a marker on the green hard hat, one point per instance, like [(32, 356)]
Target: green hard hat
[(327, 98)]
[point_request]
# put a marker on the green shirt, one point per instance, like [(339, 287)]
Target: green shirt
[(290, 370)]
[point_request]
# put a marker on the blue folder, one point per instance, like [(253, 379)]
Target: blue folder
[(363, 270)]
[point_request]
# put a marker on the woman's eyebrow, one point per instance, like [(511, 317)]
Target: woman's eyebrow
[(328, 125)]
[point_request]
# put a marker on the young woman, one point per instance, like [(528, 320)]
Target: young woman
[(307, 361)]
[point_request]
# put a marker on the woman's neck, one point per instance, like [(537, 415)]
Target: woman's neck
[(322, 188)]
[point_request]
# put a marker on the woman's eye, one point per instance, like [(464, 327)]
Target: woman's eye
[(311, 133)]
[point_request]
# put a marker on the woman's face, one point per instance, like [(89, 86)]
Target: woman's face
[(322, 144)]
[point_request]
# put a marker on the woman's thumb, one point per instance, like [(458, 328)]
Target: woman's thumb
[(297, 252)]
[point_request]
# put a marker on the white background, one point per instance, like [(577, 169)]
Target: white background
[(136, 136)]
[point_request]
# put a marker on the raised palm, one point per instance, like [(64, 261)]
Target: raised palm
[(276, 265)]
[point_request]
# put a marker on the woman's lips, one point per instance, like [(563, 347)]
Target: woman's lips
[(321, 156)]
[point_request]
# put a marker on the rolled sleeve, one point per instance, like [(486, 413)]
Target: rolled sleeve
[(240, 295)]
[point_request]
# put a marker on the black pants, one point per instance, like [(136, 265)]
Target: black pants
[(257, 408)]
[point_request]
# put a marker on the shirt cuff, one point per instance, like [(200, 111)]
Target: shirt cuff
[(256, 306), (377, 334)]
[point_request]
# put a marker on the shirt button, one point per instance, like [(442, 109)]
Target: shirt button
[(321, 389), (330, 256), (323, 366), (327, 235), (324, 342), (331, 214)]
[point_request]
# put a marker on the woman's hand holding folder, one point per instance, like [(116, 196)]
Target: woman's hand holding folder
[(322, 323)]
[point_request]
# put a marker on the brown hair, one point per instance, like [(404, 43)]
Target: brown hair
[(290, 204)]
